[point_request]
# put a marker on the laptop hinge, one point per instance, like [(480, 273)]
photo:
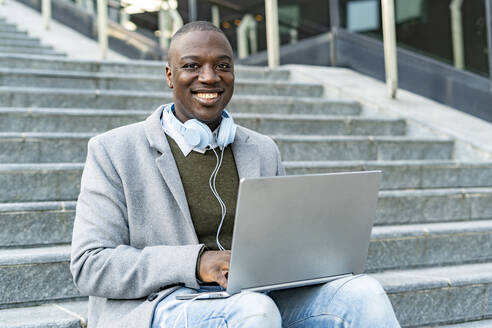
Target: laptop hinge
[(297, 283)]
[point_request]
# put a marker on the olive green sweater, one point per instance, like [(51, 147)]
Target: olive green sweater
[(195, 170)]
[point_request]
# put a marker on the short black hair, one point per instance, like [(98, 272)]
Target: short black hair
[(195, 26)]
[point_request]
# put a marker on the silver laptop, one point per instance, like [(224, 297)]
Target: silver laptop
[(293, 231)]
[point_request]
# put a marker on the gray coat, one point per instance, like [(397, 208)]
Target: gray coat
[(133, 234)]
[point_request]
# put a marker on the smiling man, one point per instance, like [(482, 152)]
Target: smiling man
[(154, 216)]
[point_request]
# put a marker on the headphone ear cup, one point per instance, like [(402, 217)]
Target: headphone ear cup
[(227, 131), (197, 134)]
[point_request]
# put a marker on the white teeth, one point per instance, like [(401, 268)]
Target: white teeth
[(207, 95)]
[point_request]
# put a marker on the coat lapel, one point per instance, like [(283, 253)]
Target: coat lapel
[(167, 165), (246, 155)]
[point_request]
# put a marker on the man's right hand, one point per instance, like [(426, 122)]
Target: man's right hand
[(214, 267)]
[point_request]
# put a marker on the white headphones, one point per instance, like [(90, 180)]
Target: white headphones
[(198, 134)]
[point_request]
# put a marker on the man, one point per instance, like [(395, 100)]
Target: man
[(154, 212)]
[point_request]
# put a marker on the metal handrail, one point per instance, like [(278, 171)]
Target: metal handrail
[(246, 31), (273, 40), (389, 40), (457, 34), (46, 9), (102, 26)]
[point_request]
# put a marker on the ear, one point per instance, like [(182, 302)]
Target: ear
[(169, 80)]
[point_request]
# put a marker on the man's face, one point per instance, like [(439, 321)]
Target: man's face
[(201, 73)]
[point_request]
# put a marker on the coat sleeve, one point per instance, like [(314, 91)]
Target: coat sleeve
[(280, 166), (102, 261)]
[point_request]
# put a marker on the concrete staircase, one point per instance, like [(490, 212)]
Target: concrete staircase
[(14, 41), (430, 246)]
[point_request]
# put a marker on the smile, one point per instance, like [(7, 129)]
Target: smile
[(207, 95)]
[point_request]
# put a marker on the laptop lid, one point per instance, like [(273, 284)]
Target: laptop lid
[(297, 230)]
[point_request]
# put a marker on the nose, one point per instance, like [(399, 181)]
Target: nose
[(208, 75)]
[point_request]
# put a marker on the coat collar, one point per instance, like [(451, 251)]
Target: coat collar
[(246, 156)]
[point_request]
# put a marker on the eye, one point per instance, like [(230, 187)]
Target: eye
[(190, 66), (224, 66)]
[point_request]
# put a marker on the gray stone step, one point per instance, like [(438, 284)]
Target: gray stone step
[(472, 324), (105, 99), (39, 182), (32, 224), (32, 275), (30, 50), (408, 174), (8, 28), (46, 182), (440, 295), (394, 207), (48, 223), (433, 205), (96, 120), (54, 315), (342, 148), (143, 67), (27, 43), (15, 36), (419, 296), (53, 147), (436, 244), (110, 81)]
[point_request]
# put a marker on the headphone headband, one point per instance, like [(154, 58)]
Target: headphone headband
[(198, 134)]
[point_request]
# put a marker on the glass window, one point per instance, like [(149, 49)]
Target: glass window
[(452, 31)]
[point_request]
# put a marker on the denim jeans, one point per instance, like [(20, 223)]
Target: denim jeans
[(354, 302)]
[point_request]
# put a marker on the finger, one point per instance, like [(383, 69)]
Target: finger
[(222, 280)]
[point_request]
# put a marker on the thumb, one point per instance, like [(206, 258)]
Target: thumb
[(221, 279)]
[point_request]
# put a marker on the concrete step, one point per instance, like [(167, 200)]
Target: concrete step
[(36, 224), (142, 67), (96, 120), (53, 147), (22, 36), (433, 205), (13, 34), (33, 275), (470, 324), (348, 148), (54, 315), (24, 42), (4, 27), (148, 101), (408, 174), (40, 182), (394, 207), (29, 50), (436, 244), (110, 81), (419, 296), (48, 223), (47, 182), (441, 295)]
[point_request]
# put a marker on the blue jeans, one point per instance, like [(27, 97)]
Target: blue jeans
[(354, 302)]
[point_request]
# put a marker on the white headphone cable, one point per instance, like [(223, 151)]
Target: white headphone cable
[(184, 310), (213, 188)]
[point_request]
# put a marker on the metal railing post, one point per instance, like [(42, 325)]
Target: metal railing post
[(164, 23), (245, 31), (389, 38), (273, 43), (215, 15), (102, 26), (192, 10), (46, 9), (457, 34), (335, 24), (488, 14)]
